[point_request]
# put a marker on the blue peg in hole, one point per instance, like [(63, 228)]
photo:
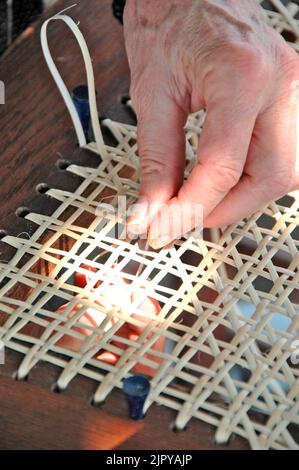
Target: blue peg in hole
[(81, 101), (136, 390)]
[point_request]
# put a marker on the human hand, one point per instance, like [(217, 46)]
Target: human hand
[(186, 55)]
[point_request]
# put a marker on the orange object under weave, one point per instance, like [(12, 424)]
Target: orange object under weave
[(92, 318)]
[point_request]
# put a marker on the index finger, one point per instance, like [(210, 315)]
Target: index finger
[(222, 153)]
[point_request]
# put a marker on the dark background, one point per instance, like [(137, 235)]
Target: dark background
[(22, 14)]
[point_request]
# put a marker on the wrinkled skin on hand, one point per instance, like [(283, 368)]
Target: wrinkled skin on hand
[(186, 55)]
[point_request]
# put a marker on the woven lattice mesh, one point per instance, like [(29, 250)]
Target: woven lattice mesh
[(213, 322)]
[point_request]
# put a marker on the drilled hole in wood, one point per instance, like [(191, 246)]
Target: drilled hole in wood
[(97, 404), (56, 389), (63, 164), (22, 212), (124, 99), (174, 428), (3, 234), (42, 188), (23, 379), (225, 444)]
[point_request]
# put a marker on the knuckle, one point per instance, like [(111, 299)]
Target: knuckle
[(139, 77), (151, 163), (135, 90), (259, 64), (152, 156), (285, 52), (279, 184), (290, 67), (255, 62), (141, 101), (225, 176)]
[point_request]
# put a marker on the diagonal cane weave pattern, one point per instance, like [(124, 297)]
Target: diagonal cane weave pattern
[(215, 325)]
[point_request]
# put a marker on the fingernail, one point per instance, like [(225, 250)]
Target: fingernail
[(160, 243), (138, 212), (134, 230)]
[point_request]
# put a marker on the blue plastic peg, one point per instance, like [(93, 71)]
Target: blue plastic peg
[(136, 390)]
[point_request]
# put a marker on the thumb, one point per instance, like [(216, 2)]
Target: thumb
[(161, 147)]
